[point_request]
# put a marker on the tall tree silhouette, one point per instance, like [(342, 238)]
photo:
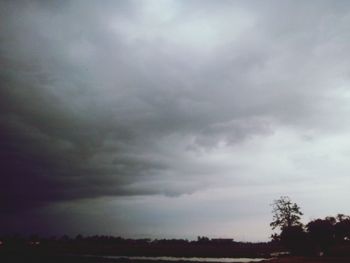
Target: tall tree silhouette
[(286, 217), (285, 213)]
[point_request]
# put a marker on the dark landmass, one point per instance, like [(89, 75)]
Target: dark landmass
[(308, 260), (34, 249), (105, 245), (15, 249)]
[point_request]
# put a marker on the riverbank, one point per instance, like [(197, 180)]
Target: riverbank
[(308, 260), (18, 258), (109, 259)]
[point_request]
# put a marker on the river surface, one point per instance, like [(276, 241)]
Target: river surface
[(190, 259)]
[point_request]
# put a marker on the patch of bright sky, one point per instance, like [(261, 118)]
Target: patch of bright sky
[(168, 22)]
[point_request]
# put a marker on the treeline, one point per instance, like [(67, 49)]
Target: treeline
[(327, 236), (109, 245), (105, 239), (330, 235)]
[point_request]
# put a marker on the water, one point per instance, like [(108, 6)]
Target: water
[(191, 259)]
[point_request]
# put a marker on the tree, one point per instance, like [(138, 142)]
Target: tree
[(285, 213), (342, 228), (294, 238), (321, 232), (286, 217)]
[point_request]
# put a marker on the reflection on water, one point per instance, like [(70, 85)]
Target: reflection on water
[(193, 259)]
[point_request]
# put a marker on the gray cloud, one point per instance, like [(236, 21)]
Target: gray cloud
[(154, 98)]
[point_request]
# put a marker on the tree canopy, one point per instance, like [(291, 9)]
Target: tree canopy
[(285, 213), (316, 237)]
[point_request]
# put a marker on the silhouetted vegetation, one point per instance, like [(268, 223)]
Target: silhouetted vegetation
[(285, 213), (328, 236), (109, 245)]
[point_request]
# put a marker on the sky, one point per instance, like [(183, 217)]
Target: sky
[(172, 119)]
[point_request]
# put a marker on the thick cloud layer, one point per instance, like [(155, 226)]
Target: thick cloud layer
[(145, 98)]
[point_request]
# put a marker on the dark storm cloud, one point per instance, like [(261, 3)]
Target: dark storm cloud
[(113, 99)]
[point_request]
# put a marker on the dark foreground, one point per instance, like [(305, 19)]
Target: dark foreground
[(99, 259), (309, 260), (77, 251), (145, 249), (79, 259)]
